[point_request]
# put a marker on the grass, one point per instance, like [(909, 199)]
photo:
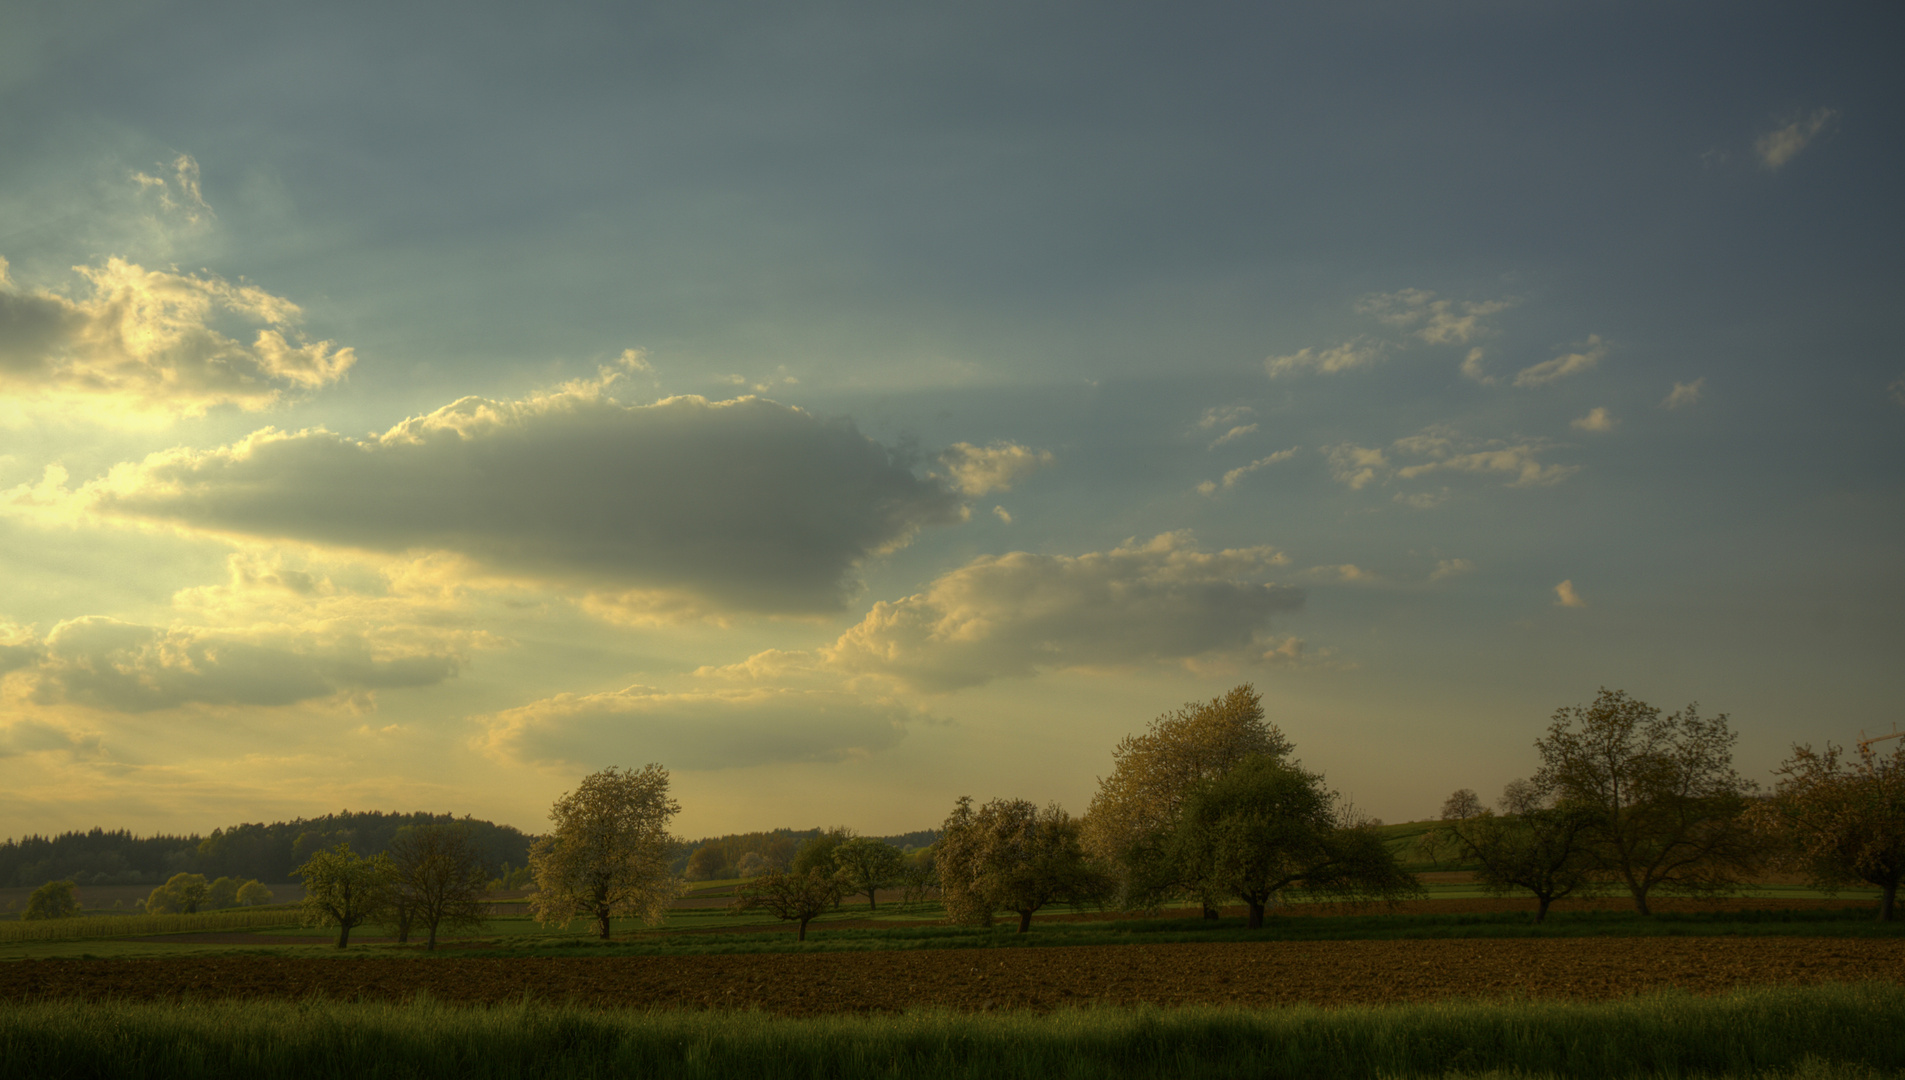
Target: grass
[(117, 926), (1828, 1032)]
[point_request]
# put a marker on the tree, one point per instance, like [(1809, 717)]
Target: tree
[(344, 889), (1535, 844), (919, 876), (223, 893), (793, 896), (53, 900), (1135, 811), (181, 894), (1665, 800), (1010, 855), (609, 851), (253, 894), (1267, 825), (439, 878), (1839, 823), (866, 865), (816, 852)]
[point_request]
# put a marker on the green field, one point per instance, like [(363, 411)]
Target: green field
[(1833, 1031)]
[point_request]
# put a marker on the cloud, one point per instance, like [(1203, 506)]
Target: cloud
[(1016, 614), (1782, 144), (1355, 465), (1598, 419), (1472, 368), (1345, 357), (1346, 573), (1562, 367), (682, 507), (1002, 514), (1684, 394), (1439, 322), (155, 343), (1451, 568), (126, 667), (697, 730), (1897, 389), (30, 736), (1444, 450), (1565, 596), (177, 192), (1235, 475), (1223, 416), (981, 470), (1237, 432)]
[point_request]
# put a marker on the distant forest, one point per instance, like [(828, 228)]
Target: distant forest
[(271, 852), (265, 852)]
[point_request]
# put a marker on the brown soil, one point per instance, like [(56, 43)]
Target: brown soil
[(1271, 973)]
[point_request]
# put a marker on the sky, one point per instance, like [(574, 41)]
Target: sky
[(852, 407)]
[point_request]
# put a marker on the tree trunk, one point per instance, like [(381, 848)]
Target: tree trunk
[(431, 945), (343, 934), (1025, 921), (1256, 914), (1640, 902), (1886, 899), (870, 902), (1209, 911), (802, 936), (602, 925), (1541, 912)]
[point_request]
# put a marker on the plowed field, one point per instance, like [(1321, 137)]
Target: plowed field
[(1273, 973)]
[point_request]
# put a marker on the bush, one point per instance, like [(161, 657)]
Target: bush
[(53, 900)]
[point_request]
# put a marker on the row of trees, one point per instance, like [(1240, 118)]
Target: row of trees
[(431, 878), (1628, 799), (184, 893)]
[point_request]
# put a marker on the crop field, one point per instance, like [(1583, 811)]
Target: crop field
[(803, 984)]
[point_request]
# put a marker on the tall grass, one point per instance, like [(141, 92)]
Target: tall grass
[(113, 926), (1827, 1031)]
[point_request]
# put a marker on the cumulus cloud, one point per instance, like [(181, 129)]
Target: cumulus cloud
[(1782, 144), (696, 730), (1002, 514), (1444, 450), (1346, 573), (1565, 596), (1563, 366), (157, 342), (1345, 357), (1015, 614), (126, 667), (1684, 394), (981, 470), (1472, 368), (1439, 322), (1234, 476), (681, 507), (1598, 419)]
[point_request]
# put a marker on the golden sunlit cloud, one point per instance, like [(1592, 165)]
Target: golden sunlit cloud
[(1684, 394), (1565, 596), (144, 345), (1597, 420), (1564, 366)]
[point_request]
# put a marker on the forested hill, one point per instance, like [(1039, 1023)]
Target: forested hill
[(265, 852)]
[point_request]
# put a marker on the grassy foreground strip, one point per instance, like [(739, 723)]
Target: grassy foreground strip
[(1826, 1031), (114, 926)]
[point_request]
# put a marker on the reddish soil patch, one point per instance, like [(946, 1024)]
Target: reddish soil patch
[(1270, 973)]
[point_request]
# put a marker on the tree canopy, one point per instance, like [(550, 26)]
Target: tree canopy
[(1665, 800), (53, 900), (1840, 822), (1535, 844), (1267, 825), (344, 889), (438, 878), (609, 852), (1136, 808), (1009, 855), (794, 896)]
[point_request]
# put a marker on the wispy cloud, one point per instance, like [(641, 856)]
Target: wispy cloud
[(1598, 420), (1231, 478), (1684, 394), (1782, 144), (981, 470), (1439, 322), (1565, 596), (1451, 568), (1348, 356), (1237, 432), (1472, 368), (1563, 366)]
